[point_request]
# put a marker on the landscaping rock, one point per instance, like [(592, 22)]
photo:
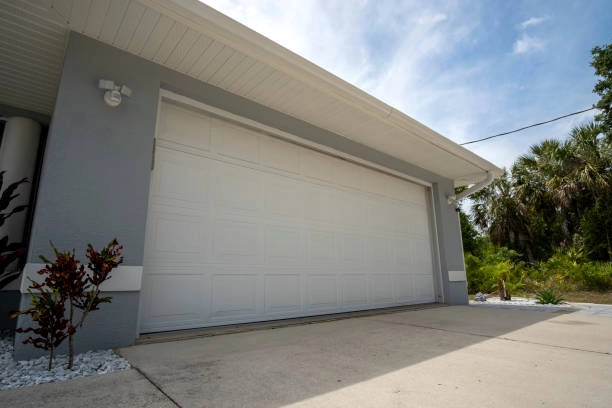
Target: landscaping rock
[(15, 374)]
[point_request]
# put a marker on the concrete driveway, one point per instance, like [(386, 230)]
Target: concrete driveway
[(442, 357)]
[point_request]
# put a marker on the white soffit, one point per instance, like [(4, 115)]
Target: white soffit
[(192, 38)]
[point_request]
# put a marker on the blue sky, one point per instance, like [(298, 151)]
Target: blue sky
[(465, 68)]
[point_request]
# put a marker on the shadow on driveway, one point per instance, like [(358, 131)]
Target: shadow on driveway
[(448, 356)]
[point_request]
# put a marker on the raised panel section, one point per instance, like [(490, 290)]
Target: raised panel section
[(236, 187), (280, 155), (233, 295), (316, 165), (322, 292), (382, 288), (181, 178), (404, 287), (423, 288), (282, 293), (175, 297), (354, 290), (234, 141), (184, 126), (284, 245), (321, 246), (236, 241), (178, 234), (283, 196), (350, 247)]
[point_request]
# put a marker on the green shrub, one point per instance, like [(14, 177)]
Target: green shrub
[(597, 276), (494, 263), (562, 271), (548, 296)]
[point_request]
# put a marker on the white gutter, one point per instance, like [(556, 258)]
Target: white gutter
[(455, 198)]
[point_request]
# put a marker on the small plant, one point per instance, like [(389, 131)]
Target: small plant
[(548, 296), (66, 288), (9, 252)]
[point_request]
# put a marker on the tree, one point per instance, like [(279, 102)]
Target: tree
[(9, 251), (602, 62), (469, 235), (498, 212), (67, 287)]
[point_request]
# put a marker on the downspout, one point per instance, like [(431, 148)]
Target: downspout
[(455, 198)]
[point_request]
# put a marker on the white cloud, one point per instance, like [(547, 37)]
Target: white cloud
[(533, 21), (527, 44), (411, 57)]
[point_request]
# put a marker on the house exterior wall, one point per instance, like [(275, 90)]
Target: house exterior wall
[(96, 169)]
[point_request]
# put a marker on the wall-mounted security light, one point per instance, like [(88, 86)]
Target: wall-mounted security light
[(113, 94)]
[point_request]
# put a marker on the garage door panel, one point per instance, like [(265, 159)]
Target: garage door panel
[(355, 290), (318, 204), (280, 155), (403, 287), (322, 292), (243, 227), (184, 126), (423, 287), (348, 209), (233, 296), (176, 235), (316, 165), (382, 288), (283, 293), (351, 248), (284, 245), (321, 247), (379, 255), (283, 196), (236, 241), (236, 187), (176, 299), (182, 178), (235, 141)]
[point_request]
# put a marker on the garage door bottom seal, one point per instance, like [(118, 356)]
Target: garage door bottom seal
[(178, 335)]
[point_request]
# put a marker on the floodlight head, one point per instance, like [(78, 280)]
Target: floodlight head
[(126, 91), (106, 84), (113, 93), (112, 98)]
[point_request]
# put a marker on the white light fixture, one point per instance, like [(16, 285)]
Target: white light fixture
[(113, 94)]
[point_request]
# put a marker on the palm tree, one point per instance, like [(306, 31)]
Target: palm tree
[(497, 211)]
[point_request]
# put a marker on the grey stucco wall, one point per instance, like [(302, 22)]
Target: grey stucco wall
[(106, 328), (96, 165), (95, 173)]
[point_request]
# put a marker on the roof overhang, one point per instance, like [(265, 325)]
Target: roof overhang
[(192, 38)]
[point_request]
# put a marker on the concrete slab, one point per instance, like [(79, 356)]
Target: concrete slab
[(123, 389), (454, 356)]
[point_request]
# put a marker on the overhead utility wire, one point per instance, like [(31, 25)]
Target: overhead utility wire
[(526, 127)]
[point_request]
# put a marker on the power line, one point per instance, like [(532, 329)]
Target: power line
[(527, 127)]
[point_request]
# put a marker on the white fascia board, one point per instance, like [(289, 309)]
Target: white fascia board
[(228, 31)]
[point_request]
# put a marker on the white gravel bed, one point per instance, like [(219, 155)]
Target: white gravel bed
[(15, 374), (522, 303)]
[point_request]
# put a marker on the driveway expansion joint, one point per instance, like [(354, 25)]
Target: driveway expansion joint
[(488, 336), (159, 388)]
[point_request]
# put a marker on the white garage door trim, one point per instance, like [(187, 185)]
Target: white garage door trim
[(170, 151)]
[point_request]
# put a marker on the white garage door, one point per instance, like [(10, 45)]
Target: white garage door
[(245, 227)]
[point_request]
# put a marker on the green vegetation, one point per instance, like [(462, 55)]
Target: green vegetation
[(545, 226), (549, 297)]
